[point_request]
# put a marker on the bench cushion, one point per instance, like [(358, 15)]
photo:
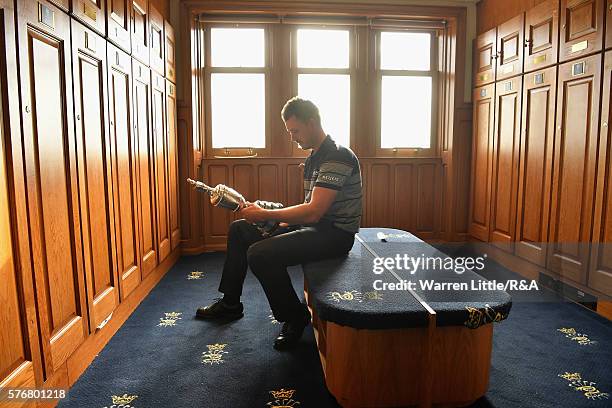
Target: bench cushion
[(341, 289)]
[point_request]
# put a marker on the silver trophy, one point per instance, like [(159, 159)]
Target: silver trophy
[(226, 197)]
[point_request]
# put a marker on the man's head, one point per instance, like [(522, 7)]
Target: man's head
[(303, 122)]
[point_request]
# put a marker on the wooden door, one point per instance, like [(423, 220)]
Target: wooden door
[(485, 55), (124, 147), (510, 44), (575, 155), (542, 35), (20, 364), (158, 117), (173, 191), (608, 40), (600, 270), (158, 41), (482, 155), (582, 28), (140, 31), (537, 140), (119, 23), (51, 173), (146, 173), (92, 13), (170, 52), (95, 179), (506, 142)]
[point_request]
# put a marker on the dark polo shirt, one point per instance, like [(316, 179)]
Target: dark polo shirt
[(336, 167)]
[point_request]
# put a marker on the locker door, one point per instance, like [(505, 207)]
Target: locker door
[(91, 12), (582, 28), (146, 173), (158, 41), (542, 35), (482, 154), (506, 142), (575, 155), (51, 173), (140, 31), (600, 273), (608, 40), (510, 44), (20, 362), (124, 146), (537, 140), (485, 54), (173, 200), (170, 52), (158, 112), (118, 20), (95, 180)]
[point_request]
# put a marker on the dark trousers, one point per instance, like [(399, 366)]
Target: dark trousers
[(269, 258)]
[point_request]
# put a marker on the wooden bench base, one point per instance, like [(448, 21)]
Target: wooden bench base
[(390, 368)]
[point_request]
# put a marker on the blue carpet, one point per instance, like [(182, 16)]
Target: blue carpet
[(180, 363)]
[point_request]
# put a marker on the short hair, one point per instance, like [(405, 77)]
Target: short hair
[(302, 109)]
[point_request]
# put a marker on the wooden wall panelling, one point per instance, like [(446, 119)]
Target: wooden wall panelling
[(382, 192), (146, 172), (217, 219), (510, 47), (427, 199), (608, 40), (119, 23), (542, 36), (295, 184), (575, 155), (403, 204), (582, 28), (140, 36), (485, 58), (173, 198), (600, 269), (170, 52), (159, 130), (482, 156), (95, 179), (124, 147), (51, 173), (535, 173), (506, 141), (92, 13), (158, 41), (20, 364)]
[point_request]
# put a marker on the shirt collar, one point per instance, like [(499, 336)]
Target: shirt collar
[(324, 146)]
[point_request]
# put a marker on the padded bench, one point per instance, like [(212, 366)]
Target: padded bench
[(413, 346)]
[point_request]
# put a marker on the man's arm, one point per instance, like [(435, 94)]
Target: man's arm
[(306, 213)]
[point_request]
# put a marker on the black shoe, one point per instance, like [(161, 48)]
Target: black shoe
[(220, 311), (292, 331)]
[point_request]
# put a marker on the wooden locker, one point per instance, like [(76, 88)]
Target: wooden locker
[(63, 4), (52, 184), (119, 23), (158, 118), (504, 180), (172, 143), (510, 45), (600, 270), (542, 36), (482, 155), (575, 156), (95, 179), (535, 174), (140, 31), (485, 54), (124, 145), (170, 52), (608, 40), (92, 13), (158, 41), (582, 28), (146, 171), (20, 364)]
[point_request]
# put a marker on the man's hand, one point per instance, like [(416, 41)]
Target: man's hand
[(253, 213)]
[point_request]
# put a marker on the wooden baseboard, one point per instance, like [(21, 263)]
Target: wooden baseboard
[(604, 308)]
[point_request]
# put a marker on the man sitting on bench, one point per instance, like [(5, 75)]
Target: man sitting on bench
[(325, 227)]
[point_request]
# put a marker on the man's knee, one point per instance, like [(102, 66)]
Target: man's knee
[(258, 254), (236, 228)]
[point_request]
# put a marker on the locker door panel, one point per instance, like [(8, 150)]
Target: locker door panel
[(510, 44), (158, 41), (91, 13), (582, 28), (158, 102), (608, 40), (485, 54), (542, 35), (118, 20), (173, 200), (140, 36), (170, 52)]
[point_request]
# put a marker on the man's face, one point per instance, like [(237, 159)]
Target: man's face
[(301, 133)]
